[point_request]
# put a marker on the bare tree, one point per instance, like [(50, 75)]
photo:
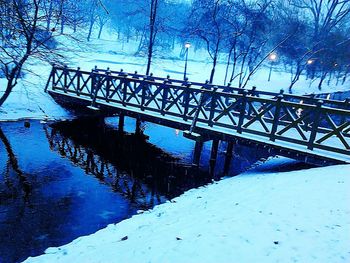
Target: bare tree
[(102, 18), (154, 4), (326, 14), (24, 35), (208, 22)]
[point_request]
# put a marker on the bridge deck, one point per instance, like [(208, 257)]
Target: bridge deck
[(294, 125)]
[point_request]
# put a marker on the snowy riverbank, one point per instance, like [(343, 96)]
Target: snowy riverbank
[(260, 216)]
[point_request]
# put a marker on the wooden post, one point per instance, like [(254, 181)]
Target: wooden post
[(212, 106), (121, 123), (138, 126), (228, 157), (65, 78), (186, 99), (78, 81), (52, 74), (165, 95), (276, 117), (108, 83), (242, 111), (213, 156), (93, 83), (197, 153), (315, 124), (214, 151)]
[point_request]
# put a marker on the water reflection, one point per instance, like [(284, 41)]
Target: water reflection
[(62, 180), (13, 167), (127, 162)]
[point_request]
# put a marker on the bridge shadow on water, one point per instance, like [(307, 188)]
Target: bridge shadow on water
[(141, 171), (62, 180)]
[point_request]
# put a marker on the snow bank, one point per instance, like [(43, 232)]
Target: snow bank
[(259, 216), (28, 99)]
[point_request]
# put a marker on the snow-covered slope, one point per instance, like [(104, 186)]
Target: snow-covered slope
[(260, 216)]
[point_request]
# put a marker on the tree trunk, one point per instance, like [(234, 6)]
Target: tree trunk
[(295, 79), (323, 77), (152, 20), (90, 29), (227, 65), (213, 69), (12, 79), (49, 16), (7, 92), (329, 79), (100, 31)]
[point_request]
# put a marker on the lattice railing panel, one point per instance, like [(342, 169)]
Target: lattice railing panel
[(303, 121)]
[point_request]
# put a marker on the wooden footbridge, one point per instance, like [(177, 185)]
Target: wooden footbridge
[(300, 127)]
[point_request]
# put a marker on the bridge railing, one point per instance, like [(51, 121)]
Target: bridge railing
[(302, 121), (309, 99)]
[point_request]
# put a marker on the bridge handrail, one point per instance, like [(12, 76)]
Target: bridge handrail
[(313, 121), (310, 98)]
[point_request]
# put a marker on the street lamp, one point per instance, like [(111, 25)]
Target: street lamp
[(187, 46), (272, 57)]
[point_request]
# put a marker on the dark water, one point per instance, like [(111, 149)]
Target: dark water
[(59, 181)]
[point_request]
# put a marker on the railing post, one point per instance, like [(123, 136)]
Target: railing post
[(228, 89), (143, 93), (124, 90), (186, 99), (78, 81), (253, 92), (108, 83), (93, 83), (165, 95), (212, 105), (65, 80), (200, 103), (242, 111), (315, 124), (276, 117), (123, 86), (52, 73)]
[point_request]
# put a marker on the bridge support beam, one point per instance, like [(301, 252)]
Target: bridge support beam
[(228, 157), (197, 153), (213, 155), (138, 127), (121, 122)]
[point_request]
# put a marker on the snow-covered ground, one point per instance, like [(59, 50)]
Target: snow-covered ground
[(28, 99), (260, 216)]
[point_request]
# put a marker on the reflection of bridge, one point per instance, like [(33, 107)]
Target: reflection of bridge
[(300, 127), (122, 182)]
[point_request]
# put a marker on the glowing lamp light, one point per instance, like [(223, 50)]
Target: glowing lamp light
[(273, 56), (310, 61), (187, 45)]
